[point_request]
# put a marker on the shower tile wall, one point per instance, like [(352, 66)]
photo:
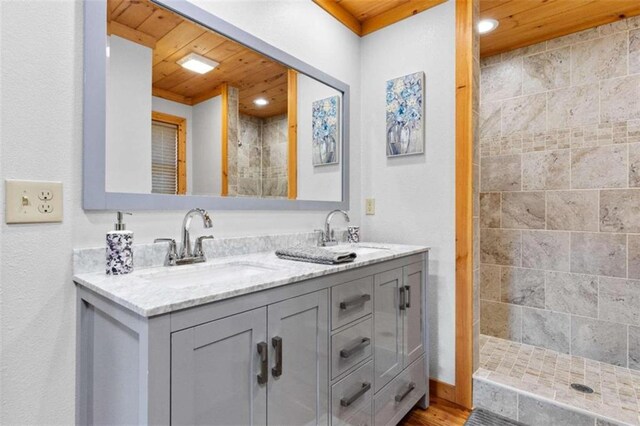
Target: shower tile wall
[(261, 157), (274, 157), (560, 194), (250, 156)]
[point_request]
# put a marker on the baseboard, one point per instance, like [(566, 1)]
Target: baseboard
[(442, 390)]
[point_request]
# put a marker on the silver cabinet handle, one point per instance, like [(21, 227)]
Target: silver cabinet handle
[(263, 377), (276, 371), (350, 350), (407, 290), (402, 299), (345, 402), (406, 391), (355, 301)]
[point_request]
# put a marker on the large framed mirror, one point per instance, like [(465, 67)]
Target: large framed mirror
[(183, 109)]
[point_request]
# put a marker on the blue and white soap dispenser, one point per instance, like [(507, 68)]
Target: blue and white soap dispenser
[(119, 248)]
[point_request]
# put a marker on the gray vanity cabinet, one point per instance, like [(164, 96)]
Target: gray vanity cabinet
[(387, 333), (217, 374), (398, 332), (344, 348), (298, 392), (214, 371)]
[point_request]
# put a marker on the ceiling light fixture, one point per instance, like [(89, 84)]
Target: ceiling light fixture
[(261, 102), (197, 63), (487, 25)]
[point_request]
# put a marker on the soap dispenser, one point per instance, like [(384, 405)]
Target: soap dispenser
[(119, 248)]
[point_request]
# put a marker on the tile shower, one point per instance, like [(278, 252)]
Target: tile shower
[(257, 153), (559, 205)]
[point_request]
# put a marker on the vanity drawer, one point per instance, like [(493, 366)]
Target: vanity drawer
[(352, 398), (350, 346), (350, 301), (400, 394)]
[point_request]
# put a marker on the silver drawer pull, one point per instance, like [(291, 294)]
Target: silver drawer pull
[(355, 301), (360, 344), (345, 402), (406, 391)]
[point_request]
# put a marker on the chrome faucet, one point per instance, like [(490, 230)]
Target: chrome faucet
[(187, 255), (327, 236)]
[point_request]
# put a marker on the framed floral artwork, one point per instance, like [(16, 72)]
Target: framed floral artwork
[(405, 115), (326, 132)]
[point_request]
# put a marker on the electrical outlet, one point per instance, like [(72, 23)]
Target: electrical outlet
[(370, 206), (45, 194), (33, 201)]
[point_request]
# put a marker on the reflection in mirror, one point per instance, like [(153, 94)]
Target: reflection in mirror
[(191, 112)]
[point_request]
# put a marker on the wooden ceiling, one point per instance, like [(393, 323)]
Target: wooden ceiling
[(366, 16), (527, 22), (172, 37)]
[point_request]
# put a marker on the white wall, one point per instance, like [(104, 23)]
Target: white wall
[(128, 144), (415, 196), (184, 111), (37, 306), (207, 147), (323, 182)]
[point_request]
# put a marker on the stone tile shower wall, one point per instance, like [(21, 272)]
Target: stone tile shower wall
[(261, 156), (560, 194)]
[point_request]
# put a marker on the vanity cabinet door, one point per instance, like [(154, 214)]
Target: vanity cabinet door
[(214, 372), (388, 319), (299, 377), (412, 323)]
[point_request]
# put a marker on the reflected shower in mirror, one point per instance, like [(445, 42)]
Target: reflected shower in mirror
[(191, 112)]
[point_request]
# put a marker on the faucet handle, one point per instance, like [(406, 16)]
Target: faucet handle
[(198, 251), (172, 254), (321, 236)]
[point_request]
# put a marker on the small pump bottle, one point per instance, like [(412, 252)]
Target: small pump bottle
[(119, 248)]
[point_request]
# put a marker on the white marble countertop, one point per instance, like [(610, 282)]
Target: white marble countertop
[(146, 293)]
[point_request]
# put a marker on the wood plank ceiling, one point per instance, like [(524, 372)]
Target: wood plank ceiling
[(527, 22), (172, 37), (366, 16)]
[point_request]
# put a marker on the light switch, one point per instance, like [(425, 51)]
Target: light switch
[(29, 201), (370, 206)]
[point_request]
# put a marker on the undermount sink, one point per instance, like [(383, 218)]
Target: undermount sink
[(360, 250), (177, 278)]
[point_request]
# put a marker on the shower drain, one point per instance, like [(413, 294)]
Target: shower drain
[(581, 388)]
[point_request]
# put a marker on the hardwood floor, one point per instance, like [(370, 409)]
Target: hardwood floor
[(439, 413)]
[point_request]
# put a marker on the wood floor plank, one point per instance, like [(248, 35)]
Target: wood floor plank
[(439, 413)]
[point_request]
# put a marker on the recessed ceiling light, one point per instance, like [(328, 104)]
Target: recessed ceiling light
[(487, 25), (261, 102), (197, 63)]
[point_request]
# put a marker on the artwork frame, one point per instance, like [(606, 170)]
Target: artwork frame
[(405, 112), (325, 131)]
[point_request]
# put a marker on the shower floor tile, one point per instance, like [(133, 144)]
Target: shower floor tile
[(549, 374)]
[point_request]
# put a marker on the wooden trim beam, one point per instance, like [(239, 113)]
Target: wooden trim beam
[(116, 28), (292, 141), (205, 96), (171, 96), (341, 14), (224, 92), (405, 10), (376, 22), (181, 122), (464, 202)]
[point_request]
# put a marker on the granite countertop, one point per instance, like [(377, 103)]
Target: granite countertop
[(153, 291)]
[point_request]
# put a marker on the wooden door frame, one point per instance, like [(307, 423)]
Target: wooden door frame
[(464, 201), (181, 123)]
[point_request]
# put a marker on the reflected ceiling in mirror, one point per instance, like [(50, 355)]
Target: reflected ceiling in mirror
[(192, 112)]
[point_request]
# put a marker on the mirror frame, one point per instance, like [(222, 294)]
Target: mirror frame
[(95, 195)]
